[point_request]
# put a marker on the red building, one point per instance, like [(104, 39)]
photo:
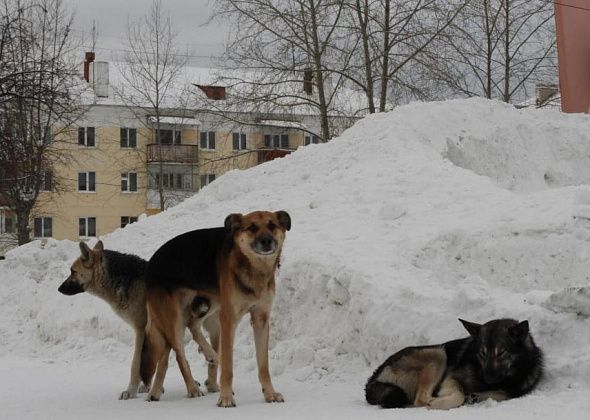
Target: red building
[(572, 18)]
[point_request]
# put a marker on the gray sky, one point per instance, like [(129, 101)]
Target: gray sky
[(189, 18)]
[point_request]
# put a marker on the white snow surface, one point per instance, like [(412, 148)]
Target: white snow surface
[(411, 219)]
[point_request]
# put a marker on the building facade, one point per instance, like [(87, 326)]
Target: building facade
[(119, 166)]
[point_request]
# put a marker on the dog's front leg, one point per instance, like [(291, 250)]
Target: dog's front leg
[(134, 379), (229, 322), (260, 318)]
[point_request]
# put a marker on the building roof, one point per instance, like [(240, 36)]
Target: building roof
[(285, 97)]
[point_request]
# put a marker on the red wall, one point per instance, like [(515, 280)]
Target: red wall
[(572, 19)]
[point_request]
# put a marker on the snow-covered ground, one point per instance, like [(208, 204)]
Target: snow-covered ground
[(410, 220)]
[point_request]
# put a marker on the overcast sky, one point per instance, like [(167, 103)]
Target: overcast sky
[(189, 18)]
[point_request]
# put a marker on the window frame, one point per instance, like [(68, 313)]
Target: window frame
[(175, 139), (83, 137), (240, 140), (128, 221), (88, 182), (126, 177), (310, 139), (209, 178), (87, 226), (43, 226), (209, 138), (125, 138)]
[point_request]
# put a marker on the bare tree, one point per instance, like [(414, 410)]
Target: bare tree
[(396, 36), (284, 56), (39, 102), (151, 70), (498, 49)]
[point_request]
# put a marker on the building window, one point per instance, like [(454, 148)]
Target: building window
[(46, 181), (310, 139), (87, 226), (129, 138), (207, 179), (125, 220), (239, 140), (208, 140), (43, 227), (276, 141), (172, 181), (86, 137), (87, 181), (129, 182), (170, 137)]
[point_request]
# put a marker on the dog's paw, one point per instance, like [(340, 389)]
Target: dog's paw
[(152, 398), (226, 401), (143, 388), (195, 393), (127, 395), (211, 387), (273, 397)]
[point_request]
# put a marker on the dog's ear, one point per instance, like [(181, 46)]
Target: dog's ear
[(99, 246), (520, 330), (284, 219), (85, 251), (472, 328), (232, 222)]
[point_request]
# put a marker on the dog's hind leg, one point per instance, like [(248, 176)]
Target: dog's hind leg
[(429, 376), (212, 326), (175, 340), (134, 379), (158, 386), (449, 396), (260, 319)]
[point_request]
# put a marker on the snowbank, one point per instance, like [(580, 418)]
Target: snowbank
[(406, 222)]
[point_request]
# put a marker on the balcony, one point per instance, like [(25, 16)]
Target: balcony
[(174, 153)]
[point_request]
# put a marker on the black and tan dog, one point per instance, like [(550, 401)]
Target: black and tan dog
[(231, 271), (118, 279), (499, 360)]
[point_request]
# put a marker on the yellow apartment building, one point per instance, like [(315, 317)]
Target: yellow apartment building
[(115, 165)]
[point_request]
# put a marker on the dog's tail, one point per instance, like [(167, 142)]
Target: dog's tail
[(387, 395), (149, 354)]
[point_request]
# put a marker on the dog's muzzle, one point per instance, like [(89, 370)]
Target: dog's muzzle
[(70, 287), (264, 245)]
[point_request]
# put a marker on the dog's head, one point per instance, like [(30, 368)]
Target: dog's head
[(81, 271), (260, 233), (502, 345)]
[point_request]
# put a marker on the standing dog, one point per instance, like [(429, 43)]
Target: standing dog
[(119, 279), (232, 269), (499, 360)]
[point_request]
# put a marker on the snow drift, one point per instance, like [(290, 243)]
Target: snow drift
[(406, 222)]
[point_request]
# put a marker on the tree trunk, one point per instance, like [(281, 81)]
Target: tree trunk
[(385, 58), (363, 18), (23, 231)]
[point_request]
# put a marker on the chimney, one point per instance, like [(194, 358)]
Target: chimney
[(216, 93), (308, 81), (544, 92), (88, 58)]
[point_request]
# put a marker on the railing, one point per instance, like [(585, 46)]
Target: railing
[(184, 153)]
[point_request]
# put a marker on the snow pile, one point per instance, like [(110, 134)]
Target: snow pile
[(396, 233)]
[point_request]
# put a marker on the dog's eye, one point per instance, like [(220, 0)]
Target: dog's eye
[(502, 353), (253, 228), (271, 226), (483, 353)]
